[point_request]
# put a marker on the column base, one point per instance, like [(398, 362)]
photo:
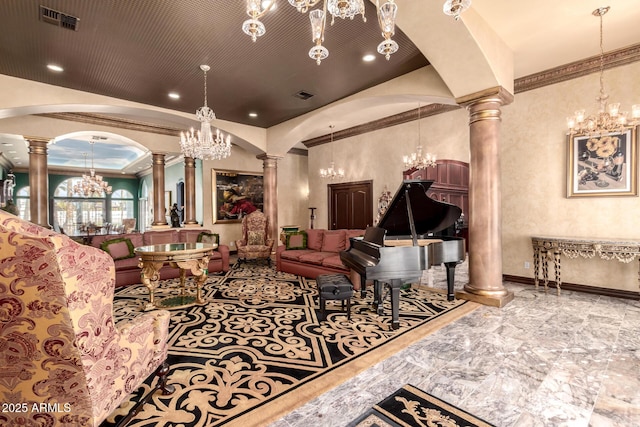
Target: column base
[(493, 299), (160, 226), (191, 225)]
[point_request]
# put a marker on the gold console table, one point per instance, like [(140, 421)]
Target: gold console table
[(623, 250)]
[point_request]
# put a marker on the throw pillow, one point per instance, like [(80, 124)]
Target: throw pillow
[(314, 239), (296, 240), (121, 248), (333, 241), (255, 237), (208, 238)]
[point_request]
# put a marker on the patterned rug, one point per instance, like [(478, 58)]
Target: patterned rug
[(412, 407), (258, 345)]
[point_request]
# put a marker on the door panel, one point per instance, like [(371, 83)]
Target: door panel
[(350, 205)]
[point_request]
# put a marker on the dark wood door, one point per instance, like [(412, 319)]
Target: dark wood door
[(350, 205)]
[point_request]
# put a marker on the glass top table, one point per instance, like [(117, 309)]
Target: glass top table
[(193, 257)]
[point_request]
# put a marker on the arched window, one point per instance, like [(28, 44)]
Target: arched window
[(121, 207), (21, 199), (76, 214)]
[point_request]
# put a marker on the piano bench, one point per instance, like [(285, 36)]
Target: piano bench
[(334, 287)]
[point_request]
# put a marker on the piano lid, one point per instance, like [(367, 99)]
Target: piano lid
[(428, 215)]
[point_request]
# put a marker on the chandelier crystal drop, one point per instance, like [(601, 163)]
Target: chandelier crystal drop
[(331, 172), (203, 144), (418, 160), (455, 7), (92, 185), (609, 118), (343, 9)]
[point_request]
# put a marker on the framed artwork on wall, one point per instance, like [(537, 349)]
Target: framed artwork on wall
[(603, 165), (235, 194)]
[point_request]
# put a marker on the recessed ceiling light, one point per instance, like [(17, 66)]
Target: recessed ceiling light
[(174, 95), (7, 144), (54, 67), (253, 115), (368, 58)]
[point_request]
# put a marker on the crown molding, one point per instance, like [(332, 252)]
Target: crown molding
[(576, 69)]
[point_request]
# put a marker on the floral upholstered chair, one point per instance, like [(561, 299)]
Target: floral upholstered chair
[(256, 242), (59, 344)]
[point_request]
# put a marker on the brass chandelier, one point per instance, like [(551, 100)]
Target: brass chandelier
[(609, 118), (343, 9), (418, 159), (92, 185), (204, 144)]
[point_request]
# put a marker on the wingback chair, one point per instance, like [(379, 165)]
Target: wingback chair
[(256, 242), (59, 344)]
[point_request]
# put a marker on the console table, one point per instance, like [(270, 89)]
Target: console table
[(623, 250)]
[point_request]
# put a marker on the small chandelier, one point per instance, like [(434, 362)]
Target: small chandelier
[(455, 7), (609, 118), (92, 185), (343, 9), (203, 144), (331, 173), (417, 160)]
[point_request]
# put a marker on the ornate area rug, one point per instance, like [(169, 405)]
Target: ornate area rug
[(412, 407), (257, 345)]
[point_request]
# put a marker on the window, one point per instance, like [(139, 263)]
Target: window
[(21, 200), (74, 213), (121, 207)]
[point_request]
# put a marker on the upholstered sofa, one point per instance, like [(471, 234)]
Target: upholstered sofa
[(312, 252), (65, 360), (120, 247)]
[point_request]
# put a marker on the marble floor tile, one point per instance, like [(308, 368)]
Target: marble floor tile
[(541, 361)]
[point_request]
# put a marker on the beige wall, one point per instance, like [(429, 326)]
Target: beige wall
[(534, 154), (533, 162)]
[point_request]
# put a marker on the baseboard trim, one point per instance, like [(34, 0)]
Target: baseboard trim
[(617, 293)]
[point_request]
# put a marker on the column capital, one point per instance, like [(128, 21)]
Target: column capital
[(35, 139), (189, 162), (269, 160), (494, 94)]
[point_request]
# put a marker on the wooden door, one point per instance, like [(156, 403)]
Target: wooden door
[(350, 205)]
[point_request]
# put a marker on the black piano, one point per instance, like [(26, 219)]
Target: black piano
[(415, 233)]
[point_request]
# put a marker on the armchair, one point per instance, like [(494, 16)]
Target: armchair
[(256, 242), (59, 344)]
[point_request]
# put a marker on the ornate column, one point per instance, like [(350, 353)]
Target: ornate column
[(38, 181), (190, 192), (270, 182), (485, 222), (159, 214)]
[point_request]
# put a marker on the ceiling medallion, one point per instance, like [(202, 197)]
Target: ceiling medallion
[(203, 145), (343, 9), (609, 118)]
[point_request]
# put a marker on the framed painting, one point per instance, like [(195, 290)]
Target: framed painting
[(235, 194), (603, 165)]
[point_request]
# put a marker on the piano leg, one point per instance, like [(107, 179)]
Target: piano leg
[(396, 284), (451, 272), (363, 286), (378, 295)]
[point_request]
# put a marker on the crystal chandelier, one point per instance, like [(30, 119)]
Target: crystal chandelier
[(455, 7), (343, 9), (203, 144), (609, 118), (92, 185), (417, 160), (331, 173)]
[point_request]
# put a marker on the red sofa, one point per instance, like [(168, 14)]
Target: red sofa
[(316, 253), (126, 262)]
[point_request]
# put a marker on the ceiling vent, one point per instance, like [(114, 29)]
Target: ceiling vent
[(303, 95), (58, 18)]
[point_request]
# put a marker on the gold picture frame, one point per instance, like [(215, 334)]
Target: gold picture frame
[(603, 166), (235, 194)]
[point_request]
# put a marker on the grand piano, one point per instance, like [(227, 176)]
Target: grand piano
[(414, 234)]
